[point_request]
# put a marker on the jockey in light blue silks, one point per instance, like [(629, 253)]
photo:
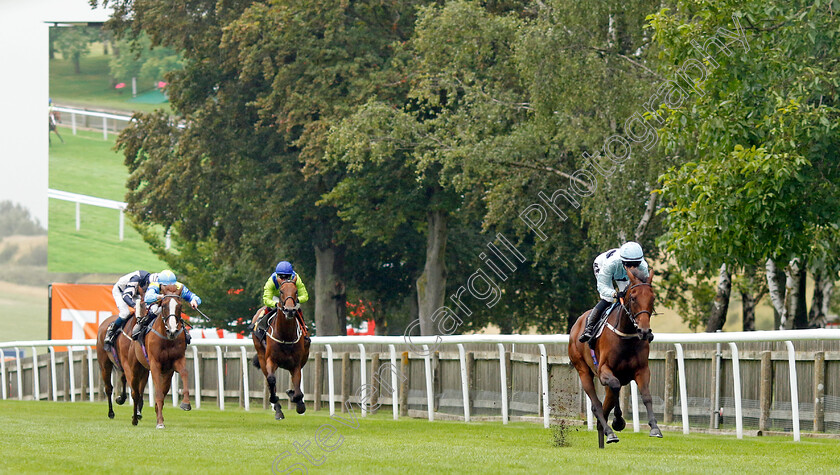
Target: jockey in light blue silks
[(166, 283), (611, 274)]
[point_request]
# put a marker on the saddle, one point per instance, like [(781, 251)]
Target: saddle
[(602, 322), (265, 312)]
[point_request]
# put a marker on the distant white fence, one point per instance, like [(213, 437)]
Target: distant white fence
[(100, 115), (429, 344), (100, 202)]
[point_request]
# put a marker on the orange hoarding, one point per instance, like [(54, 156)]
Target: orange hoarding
[(76, 310)]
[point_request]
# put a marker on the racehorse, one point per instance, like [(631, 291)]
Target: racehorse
[(620, 356), (124, 359), (55, 118), (284, 347), (163, 351)]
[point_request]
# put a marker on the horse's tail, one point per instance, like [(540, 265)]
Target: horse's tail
[(256, 361)]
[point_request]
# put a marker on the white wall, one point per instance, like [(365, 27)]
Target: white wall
[(24, 93)]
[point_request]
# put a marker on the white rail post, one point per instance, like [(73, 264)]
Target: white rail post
[(73, 122), (72, 376), (794, 390), (221, 371), (245, 382), (36, 377), (465, 386), (395, 395), (3, 372), (683, 391), (122, 224), (330, 379), (544, 378), (430, 396), (105, 128), (364, 386), (78, 217), (52, 374), (503, 377), (634, 396), (19, 375), (90, 372), (590, 418), (173, 388), (197, 378), (151, 387), (736, 376)]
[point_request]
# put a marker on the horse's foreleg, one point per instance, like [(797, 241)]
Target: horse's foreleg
[(137, 395), (643, 381), (162, 384), (181, 368), (296, 393), (270, 369), (613, 385), (123, 393), (597, 409)]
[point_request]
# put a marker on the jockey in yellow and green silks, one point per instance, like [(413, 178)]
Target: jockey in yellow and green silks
[(271, 293)]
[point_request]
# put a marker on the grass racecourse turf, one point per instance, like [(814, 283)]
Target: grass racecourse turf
[(78, 437)]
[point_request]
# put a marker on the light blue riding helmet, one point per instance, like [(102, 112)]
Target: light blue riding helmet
[(630, 251), (166, 277)]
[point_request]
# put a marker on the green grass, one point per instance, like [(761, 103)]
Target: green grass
[(23, 312), (78, 437), (88, 165), (92, 88)]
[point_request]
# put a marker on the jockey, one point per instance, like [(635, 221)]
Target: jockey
[(271, 295), (610, 272), (165, 283), (125, 290)]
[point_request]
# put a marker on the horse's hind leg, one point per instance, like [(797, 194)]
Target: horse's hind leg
[(642, 381), (296, 393), (123, 395), (105, 373), (597, 409)]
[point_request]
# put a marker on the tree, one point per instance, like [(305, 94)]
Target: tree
[(137, 59), (73, 42), (760, 139)]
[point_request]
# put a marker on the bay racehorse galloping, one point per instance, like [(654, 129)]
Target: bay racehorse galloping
[(621, 356), (285, 347), (122, 357), (55, 118), (163, 351)]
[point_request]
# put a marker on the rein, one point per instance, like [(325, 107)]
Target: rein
[(177, 318), (296, 308)]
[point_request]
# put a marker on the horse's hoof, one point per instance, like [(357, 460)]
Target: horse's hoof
[(134, 421), (139, 416), (120, 400), (612, 438), (618, 425), (110, 414), (656, 433), (278, 413), (301, 407), (186, 406), (160, 426)]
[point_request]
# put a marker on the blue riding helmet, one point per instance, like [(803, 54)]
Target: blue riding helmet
[(284, 268), (166, 277), (630, 251)]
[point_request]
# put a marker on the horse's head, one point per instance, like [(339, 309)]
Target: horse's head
[(170, 314), (639, 301), (288, 303)]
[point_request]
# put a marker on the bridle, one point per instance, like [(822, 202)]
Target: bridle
[(286, 312), (632, 316), (173, 312)]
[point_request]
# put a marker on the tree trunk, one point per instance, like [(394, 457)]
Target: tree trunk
[(748, 311), (330, 298), (77, 66), (777, 294), (823, 286), (795, 296), (721, 305), (432, 283)]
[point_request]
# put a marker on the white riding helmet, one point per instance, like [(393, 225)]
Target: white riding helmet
[(630, 251)]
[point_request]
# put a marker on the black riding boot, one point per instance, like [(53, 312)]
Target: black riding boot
[(111, 335), (138, 328), (592, 320), (262, 325)]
